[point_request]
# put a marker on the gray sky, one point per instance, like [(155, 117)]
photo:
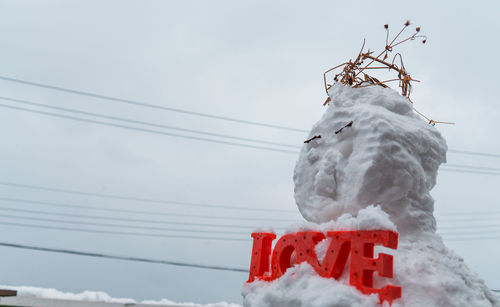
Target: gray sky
[(259, 61)]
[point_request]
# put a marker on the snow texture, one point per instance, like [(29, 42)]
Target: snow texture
[(92, 296), (388, 157), (374, 174)]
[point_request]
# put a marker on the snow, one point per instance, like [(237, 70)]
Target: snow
[(369, 218), (301, 286), (56, 294), (93, 296), (388, 157), (375, 174)]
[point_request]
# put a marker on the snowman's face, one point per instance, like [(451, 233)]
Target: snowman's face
[(388, 155)]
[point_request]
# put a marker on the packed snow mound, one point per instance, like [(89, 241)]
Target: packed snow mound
[(389, 157), (98, 296), (374, 174), (369, 218), (50, 293), (430, 275), (301, 286), (433, 275)]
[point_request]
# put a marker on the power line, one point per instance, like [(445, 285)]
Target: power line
[(109, 218), (122, 232), (153, 221), (146, 130), (127, 120), (170, 214), (129, 258), (203, 139), (480, 238), (479, 216), (454, 218), (462, 171), (126, 258), (461, 227), (469, 226), (143, 104), (113, 196), (140, 199), (148, 105), (449, 214), (474, 153), (17, 217), (473, 167), (154, 213), (459, 238), (8, 216), (157, 228), (471, 232), (484, 214)]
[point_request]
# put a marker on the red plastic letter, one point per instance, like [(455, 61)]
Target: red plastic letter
[(336, 256), (363, 264), (282, 254), (261, 252), (304, 247)]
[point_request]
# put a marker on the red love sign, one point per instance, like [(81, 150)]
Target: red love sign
[(269, 264)]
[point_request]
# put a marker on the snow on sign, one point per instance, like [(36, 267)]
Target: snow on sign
[(359, 245), (362, 183)]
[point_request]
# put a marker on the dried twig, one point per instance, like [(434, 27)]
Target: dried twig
[(355, 73), (313, 138), (348, 125)]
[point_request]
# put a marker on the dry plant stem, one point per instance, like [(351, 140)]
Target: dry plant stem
[(348, 125), (324, 74), (353, 70), (396, 37), (313, 138)]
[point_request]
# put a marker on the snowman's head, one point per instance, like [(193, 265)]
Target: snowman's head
[(388, 157)]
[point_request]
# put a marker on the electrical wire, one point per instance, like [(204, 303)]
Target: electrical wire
[(445, 227), (241, 121), (143, 104), (452, 219), (148, 105), (198, 131), (146, 130), (480, 238), (126, 258), (154, 213), (75, 222), (452, 216), (24, 225), (449, 214), (474, 153), (468, 227), (472, 167), (470, 232), (140, 199), (129, 258), (133, 220), (205, 139), (133, 121), (442, 218), (462, 171)]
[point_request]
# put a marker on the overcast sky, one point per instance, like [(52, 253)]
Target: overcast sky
[(259, 61)]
